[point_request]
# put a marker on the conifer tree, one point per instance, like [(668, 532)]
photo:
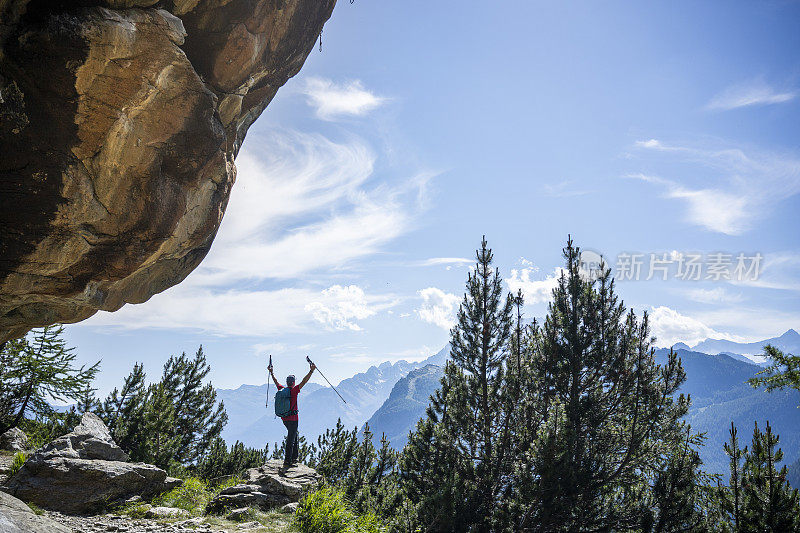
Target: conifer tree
[(681, 494), (732, 496), (36, 371), (169, 423), (466, 435), (610, 412), (199, 419), (333, 452), (783, 371), (769, 503), (219, 460)]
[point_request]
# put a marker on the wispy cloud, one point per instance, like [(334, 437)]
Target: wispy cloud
[(744, 183), (754, 92), (300, 205), (447, 262), (438, 307), (756, 322), (713, 296), (256, 313), (564, 189), (334, 100), (779, 270)]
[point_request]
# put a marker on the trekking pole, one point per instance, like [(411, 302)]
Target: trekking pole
[(268, 378), (326, 379)]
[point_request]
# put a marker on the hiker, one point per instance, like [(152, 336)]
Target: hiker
[(290, 418)]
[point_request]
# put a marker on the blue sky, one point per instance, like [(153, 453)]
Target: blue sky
[(365, 187)]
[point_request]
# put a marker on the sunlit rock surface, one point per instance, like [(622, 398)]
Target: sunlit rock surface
[(119, 124)]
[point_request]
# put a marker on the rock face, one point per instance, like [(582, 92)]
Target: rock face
[(14, 439), (84, 471), (119, 124), (16, 517), (267, 487)]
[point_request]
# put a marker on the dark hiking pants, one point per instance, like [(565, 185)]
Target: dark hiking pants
[(292, 442)]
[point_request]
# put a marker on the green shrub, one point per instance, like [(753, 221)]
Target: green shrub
[(193, 495), (134, 509), (327, 511), (17, 462), (218, 461)]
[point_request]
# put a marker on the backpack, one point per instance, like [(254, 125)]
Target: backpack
[(283, 403)]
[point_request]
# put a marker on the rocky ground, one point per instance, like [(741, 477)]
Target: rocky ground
[(72, 482), (262, 523)]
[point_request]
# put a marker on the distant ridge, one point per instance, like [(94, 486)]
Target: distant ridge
[(788, 342), (716, 382), (250, 422), (406, 403)]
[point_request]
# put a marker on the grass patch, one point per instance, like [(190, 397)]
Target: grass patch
[(36, 509), (271, 522), (18, 461), (327, 511), (193, 495), (134, 510)]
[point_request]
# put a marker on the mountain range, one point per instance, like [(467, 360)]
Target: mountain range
[(789, 342), (320, 407), (716, 383), (392, 397)]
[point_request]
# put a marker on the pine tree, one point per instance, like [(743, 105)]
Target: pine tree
[(333, 453), (199, 419), (122, 411), (732, 496), (783, 372), (37, 370), (769, 503), (467, 431), (681, 493), (610, 412), (169, 423), (220, 461)]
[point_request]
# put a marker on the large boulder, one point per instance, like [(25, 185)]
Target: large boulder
[(14, 440), (84, 471), (119, 124), (270, 486), (16, 517)]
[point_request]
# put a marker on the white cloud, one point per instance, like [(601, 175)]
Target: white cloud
[(652, 143), (332, 100), (670, 327), (257, 313), (744, 185), (300, 205), (713, 296), (535, 291), (341, 307), (754, 92), (438, 307), (445, 261)]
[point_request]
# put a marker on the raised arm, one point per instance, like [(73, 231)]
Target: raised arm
[(308, 376), (274, 380)]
